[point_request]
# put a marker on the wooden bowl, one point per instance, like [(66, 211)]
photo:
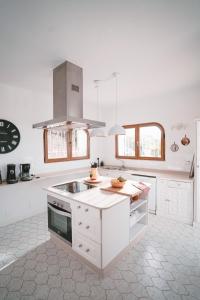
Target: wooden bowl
[(117, 184)]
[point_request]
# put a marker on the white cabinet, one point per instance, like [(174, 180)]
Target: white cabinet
[(87, 248), (86, 220), (100, 235), (175, 200)]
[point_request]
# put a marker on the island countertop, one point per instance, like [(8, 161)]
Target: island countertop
[(94, 197)]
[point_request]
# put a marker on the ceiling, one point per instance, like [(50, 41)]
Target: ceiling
[(153, 44)]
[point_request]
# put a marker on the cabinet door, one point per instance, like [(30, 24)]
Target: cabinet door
[(173, 200), (186, 203), (162, 198), (180, 201)]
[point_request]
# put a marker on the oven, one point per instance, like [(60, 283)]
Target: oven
[(59, 218)]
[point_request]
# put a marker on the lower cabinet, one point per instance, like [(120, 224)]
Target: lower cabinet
[(87, 248), (100, 235), (175, 200)]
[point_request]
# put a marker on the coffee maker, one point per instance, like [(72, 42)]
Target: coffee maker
[(25, 172), (11, 176)]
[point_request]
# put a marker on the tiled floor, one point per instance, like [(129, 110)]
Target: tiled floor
[(165, 264)]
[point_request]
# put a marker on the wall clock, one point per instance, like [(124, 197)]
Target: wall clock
[(9, 136)]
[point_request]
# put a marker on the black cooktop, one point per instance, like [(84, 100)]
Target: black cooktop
[(74, 187)]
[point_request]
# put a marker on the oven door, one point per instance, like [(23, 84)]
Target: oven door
[(59, 221)]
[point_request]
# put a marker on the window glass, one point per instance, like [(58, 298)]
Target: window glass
[(126, 143), (141, 141), (150, 141), (79, 143), (57, 144)]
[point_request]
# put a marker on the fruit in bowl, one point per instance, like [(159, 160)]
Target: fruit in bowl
[(118, 182)]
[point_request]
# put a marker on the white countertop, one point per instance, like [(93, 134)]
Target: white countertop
[(162, 174), (94, 197)]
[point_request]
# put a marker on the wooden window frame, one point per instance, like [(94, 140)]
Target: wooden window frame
[(137, 142), (69, 148)]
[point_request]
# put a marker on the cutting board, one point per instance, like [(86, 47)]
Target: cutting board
[(128, 190), (88, 180)]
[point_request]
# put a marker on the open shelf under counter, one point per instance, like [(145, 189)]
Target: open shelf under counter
[(136, 230), (136, 204), (134, 220)]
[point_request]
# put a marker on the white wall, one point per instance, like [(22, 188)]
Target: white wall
[(169, 109), (23, 108)]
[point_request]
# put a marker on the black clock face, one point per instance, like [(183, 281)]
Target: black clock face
[(9, 136)]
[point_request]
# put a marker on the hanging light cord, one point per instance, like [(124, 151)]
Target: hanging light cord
[(98, 101), (115, 75)]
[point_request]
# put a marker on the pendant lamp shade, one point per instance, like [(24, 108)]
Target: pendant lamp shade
[(98, 132), (116, 129)]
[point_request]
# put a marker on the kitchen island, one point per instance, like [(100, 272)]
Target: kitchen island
[(96, 224)]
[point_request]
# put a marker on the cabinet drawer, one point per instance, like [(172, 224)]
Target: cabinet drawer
[(87, 221), (85, 211), (90, 228), (87, 248), (178, 184)]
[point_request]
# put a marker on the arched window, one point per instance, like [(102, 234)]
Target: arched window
[(142, 141)]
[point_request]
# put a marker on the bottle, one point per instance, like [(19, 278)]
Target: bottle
[(102, 163)]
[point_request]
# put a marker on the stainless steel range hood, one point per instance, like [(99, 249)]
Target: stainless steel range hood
[(68, 100)]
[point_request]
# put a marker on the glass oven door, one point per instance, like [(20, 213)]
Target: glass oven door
[(59, 221)]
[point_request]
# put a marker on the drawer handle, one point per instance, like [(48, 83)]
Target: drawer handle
[(80, 245), (88, 227), (80, 223), (78, 206), (87, 250), (167, 200), (86, 210)]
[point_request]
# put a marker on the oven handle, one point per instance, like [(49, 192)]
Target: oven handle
[(59, 212)]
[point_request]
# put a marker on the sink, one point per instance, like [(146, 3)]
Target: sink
[(119, 169)]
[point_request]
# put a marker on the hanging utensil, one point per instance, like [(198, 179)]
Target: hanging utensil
[(174, 147), (185, 141)]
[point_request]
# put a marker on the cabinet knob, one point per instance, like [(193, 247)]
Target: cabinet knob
[(80, 223), (87, 227), (78, 206), (87, 250), (80, 245), (86, 210)]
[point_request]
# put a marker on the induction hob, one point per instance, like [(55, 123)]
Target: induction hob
[(74, 187)]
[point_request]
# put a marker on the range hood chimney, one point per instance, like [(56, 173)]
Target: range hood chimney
[(68, 100)]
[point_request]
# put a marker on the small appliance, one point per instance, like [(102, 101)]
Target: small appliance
[(25, 172), (11, 176)]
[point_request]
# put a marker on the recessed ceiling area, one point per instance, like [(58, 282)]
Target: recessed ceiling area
[(154, 45)]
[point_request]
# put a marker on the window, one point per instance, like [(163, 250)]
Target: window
[(62, 145), (141, 141)]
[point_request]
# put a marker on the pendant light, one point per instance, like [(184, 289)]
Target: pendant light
[(116, 129), (98, 132)]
